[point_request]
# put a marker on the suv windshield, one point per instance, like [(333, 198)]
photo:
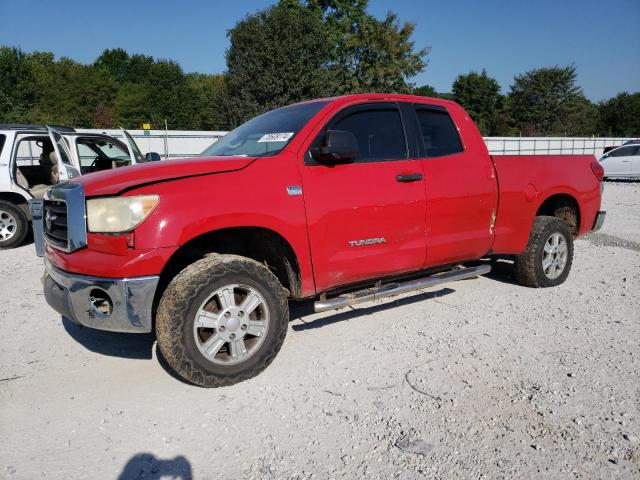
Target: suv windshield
[(266, 134)]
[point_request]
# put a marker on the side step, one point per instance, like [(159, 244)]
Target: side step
[(392, 289)]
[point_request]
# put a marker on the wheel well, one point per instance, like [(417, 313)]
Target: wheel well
[(17, 199), (562, 206), (260, 244)]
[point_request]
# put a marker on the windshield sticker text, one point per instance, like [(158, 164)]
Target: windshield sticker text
[(276, 137)]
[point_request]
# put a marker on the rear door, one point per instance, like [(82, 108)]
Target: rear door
[(66, 170), (461, 190), (366, 218)]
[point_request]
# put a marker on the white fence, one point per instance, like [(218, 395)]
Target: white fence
[(183, 143), (169, 144), (551, 145)]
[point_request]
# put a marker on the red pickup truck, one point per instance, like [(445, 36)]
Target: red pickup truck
[(341, 200)]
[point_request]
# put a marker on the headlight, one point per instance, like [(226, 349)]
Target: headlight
[(119, 214)]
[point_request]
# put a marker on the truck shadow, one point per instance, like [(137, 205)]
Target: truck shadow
[(125, 345), (140, 346), (501, 268), (299, 310)]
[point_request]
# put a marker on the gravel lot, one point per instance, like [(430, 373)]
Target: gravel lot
[(480, 379)]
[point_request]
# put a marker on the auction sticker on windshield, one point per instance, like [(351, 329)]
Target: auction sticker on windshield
[(276, 137)]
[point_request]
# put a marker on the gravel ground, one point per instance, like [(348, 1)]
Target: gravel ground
[(480, 379)]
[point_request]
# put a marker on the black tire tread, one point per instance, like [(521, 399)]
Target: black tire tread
[(527, 268), (176, 300)]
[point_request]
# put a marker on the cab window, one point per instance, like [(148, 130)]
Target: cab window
[(439, 133)]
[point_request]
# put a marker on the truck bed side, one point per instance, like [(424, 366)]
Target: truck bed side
[(526, 182)]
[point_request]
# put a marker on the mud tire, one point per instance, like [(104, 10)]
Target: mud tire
[(181, 300), (528, 265)]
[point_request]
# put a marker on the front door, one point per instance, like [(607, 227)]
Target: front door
[(66, 170), (134, 151), (366, 218), (462, 192)]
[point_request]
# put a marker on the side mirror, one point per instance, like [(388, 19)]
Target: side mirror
[(152, 157), (338, 146)]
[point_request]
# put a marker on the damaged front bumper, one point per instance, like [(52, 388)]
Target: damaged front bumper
[(113, 304)]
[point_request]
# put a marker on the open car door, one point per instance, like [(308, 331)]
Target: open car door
[(66, 170), (134, 151)]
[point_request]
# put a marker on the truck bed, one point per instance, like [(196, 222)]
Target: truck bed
[(525, 182)]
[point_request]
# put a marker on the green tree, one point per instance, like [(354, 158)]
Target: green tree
[(22, 76), (277, 56), (479, 95), (209, 92), (620, 115), (425, 91), (73, 94), (131, 106), (548, 101), (170, 96), (121, 67), (298, 50), (369, 55)]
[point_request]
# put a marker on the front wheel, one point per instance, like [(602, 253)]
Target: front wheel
[(222, 320), (546, 261)]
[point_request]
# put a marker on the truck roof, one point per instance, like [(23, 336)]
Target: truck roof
[(33, 127)]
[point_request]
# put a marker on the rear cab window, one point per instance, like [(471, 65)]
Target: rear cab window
[(439, 133), (3, 138)]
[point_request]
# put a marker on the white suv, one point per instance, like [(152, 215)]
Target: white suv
[(33, 158), (622, 162)]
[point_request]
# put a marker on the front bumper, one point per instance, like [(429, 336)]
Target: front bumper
[(114, 304), (599, 221)]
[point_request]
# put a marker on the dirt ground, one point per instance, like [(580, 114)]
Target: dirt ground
[(480, 379)]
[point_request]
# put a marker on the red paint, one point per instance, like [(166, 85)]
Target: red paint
[(442, 219)]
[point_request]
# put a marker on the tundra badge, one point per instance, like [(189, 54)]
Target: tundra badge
[(368, 241)]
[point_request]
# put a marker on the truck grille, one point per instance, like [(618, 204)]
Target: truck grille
[(64, 217), (55, 223)]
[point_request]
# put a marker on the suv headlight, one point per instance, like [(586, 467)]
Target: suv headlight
[(119, 214)]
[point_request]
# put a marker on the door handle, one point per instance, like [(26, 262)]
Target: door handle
[(409, 177)]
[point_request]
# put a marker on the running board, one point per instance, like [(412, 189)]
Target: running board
[(392, 289)]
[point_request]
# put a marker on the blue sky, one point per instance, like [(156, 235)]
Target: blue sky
[(505, 37)]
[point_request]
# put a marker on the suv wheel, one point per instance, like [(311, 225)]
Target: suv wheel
[(14, 225), (546, 261), (222, 320)]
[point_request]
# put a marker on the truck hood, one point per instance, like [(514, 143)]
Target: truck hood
[(116, 181)]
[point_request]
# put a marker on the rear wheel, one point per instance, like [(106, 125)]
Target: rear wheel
[(14, 225), (547, 259), (222, 320)]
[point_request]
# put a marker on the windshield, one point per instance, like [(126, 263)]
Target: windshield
[(266, 134)]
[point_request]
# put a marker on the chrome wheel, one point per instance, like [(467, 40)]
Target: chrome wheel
[(231, 324), (8, 226), (554, 256)]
